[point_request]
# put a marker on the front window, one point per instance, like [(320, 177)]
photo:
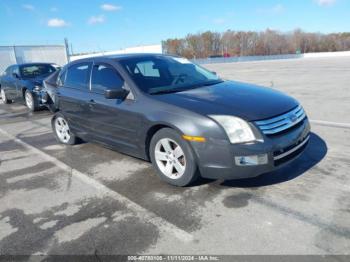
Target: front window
[(165, 74), (33, 71), (104, 77), (78, 76)]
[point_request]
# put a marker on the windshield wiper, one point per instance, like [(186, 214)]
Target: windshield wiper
[(175, 90), (167, 91), (210, 83)]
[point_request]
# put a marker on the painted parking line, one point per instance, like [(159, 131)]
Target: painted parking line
[(330, 124), (160, 223)]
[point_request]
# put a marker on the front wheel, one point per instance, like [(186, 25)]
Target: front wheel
[(62, 131), (31, 102), (173, 158), (4, 98)]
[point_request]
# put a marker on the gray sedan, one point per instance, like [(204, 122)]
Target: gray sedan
[(184, 119)]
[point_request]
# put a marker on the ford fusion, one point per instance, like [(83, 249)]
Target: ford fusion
[(183, 118), (23, 82)]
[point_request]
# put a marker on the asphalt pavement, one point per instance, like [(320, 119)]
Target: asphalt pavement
[(86, 199)]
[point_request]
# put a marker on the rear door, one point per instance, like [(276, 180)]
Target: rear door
[(17, 92), (73, 95), (5, 79), (114, 121), (9, 83)]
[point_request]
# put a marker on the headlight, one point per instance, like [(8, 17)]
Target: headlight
[(37, 88), (236, 129)]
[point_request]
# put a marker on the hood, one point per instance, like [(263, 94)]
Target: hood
[(38, 80), (34, 81), (246, 101)]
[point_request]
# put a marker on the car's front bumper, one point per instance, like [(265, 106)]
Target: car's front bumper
[(217, 159), (40, 96)]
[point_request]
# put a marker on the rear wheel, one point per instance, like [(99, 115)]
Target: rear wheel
[(62, 131), (4, 98), (173, 158), (31, 102)]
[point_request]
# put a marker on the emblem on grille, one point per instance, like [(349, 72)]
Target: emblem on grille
[(293, 118)]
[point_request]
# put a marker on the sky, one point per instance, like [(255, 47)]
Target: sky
[(98, 25)]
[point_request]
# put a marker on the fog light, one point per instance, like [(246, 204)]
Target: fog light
[(251, 160)]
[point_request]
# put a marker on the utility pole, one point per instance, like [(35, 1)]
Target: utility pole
[(67, 49)]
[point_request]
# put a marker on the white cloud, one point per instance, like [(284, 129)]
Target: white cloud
[(56, 22), (97, 19), (276, 9), (325, 2), (109, 7), (28, 7), (219, 21)]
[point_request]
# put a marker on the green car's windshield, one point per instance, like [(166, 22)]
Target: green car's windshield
[(165, 74), (36, 70)]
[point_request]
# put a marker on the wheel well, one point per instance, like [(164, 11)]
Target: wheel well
[(23, 91), (150, 134)]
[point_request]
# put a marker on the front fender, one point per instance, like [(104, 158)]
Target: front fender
[(187, 123)]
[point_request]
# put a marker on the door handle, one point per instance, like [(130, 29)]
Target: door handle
[(91, 103)]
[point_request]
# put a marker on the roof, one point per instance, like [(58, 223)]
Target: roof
[(33, 63), (120, 56)]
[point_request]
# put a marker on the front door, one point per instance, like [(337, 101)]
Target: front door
[(113, 121)]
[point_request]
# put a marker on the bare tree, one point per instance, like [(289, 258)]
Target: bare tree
[(268, 42)]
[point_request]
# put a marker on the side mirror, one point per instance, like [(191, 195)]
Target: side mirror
[(15, 75), (119, 93), (213, 72)]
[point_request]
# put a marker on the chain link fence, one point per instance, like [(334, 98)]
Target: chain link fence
[(10, 55)]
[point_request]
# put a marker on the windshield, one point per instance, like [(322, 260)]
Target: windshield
[(33, 71), (165, 74)]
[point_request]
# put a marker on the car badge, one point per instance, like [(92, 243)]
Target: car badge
[(293, 118)]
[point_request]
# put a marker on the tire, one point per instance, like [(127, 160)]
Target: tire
[(176, 164), (62, 131), (30, 101), (4, 98)]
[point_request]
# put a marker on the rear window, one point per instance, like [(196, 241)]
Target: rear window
[(33, 71), (61, 78), (78, 76), (9, 70)]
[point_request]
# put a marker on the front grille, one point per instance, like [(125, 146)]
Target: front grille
[(281, 123), (288, 153)]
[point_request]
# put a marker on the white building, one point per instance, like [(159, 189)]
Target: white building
[(154, 49)]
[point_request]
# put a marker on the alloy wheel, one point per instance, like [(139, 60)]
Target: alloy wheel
[(29, 100), (62, 130), (3, 95), (170, 158)]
